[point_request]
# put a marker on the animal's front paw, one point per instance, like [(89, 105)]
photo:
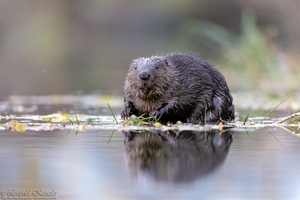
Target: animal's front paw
[(157, 114), (126, 112)]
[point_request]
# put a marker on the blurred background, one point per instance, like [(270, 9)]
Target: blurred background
[(64, 46)]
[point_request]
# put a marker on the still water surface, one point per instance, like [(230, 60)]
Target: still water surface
[(86, 166), (257, 163)]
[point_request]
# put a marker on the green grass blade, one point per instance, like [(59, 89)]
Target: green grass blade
[(77, 121), (71, 122), (246, 119), (112, 113)]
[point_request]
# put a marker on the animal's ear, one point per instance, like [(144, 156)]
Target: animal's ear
[(161, 60), (134, 64), (166, 63)]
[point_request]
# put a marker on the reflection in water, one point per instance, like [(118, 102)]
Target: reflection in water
[(177, 158)]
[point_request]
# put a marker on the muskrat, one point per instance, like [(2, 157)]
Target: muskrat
[(177, 87)]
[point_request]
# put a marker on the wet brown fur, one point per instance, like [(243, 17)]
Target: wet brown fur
[(177, 87)]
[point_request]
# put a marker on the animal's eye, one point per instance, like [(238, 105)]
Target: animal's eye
[(156, 67), (135, 68)]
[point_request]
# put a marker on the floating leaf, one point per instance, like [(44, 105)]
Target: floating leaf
[(56, 117), (20, 127), (12, 123), (65, 114), (156, 124), (46, 119)]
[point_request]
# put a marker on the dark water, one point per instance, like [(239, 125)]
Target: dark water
[(252, 163)]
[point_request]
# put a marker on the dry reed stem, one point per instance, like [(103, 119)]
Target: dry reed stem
[(274, 109), (288, 117)]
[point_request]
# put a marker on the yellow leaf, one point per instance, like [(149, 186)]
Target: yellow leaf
[(157, 124), (65, 114), (13, 123), (46, 119), (20, 128), (56, 117)]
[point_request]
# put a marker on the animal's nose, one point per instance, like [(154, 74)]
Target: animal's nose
[(144, 76)]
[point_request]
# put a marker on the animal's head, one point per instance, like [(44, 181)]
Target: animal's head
[(149, 78)]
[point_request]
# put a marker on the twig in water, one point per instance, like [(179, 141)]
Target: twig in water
[(274, 109), (287, 118)]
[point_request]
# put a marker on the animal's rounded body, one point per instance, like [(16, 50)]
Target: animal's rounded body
[(177, 87)]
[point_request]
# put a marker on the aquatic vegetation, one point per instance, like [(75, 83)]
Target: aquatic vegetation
[(83, 123), (112, 113), (16, 126), (141, 120), (244, 123), (62, 121)]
